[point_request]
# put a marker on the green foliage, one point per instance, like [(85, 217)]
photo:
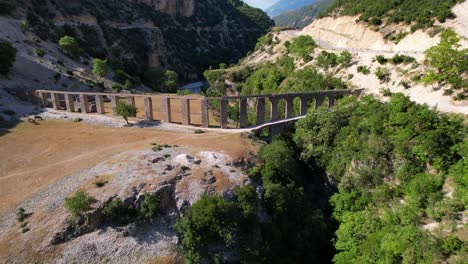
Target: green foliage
[(70, 46), (381, 59), (451, 245), (327, 59), (7, 56), (363, 69), (382, 74), (154, 78), (100, 67), (170, 83), (149, 207), (79, 204), (40, 52), (302, 47), (117, 211), (211, 220), (420, 13), (448, 62), (264, 41), (246, 198), (125, 110), (368, 146)]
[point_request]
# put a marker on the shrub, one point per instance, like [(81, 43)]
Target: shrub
[(345, 58), (383, 74), (170, 84), (100, 67), (7, 56), (363, 69), (149, 206), (70, 46), (327, 59), (117, 211), (21, 214), (100, 183), (199, 131), (302, 46), (7, 7), (125, 110), (398, 59), (79, 204), (381, 59), (451, 245), (40, 52)]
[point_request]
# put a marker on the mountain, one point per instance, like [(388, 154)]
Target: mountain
[(186, 36), (302, 17), (287, 5)]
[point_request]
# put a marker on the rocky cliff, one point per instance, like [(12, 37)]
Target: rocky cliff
[(187, 36)]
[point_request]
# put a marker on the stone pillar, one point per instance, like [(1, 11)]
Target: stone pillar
[(289, 107), (69, 103), (260, 110), (331, 101), (114, 101), (274, 108), (149, 108), (318, 101), (243, 119), (131, 100), (304, 105), (166, 103), (223, 119), (44, 99), (84, 103), (185, 104), (55, 101), (100, 104), (205, 113)]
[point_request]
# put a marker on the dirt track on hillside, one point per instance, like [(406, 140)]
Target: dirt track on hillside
[(33, 157)]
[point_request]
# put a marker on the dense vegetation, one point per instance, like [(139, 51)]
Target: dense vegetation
[(7, 56), (448, 64), (392, 164), (179, 46), (418, 13)]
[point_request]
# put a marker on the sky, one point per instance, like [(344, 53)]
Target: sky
[(261, 3)]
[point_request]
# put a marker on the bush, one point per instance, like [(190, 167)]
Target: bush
[(381, 59), (79, 204), (211, 220), (70, 46), (302, 47), (327, 59), (125, 110), (383, 74), (149, 207), (7, 56), (451, 245), (40, 52), (399, 59), (170, 84), (363, 69), (7, 7), (100, 67)]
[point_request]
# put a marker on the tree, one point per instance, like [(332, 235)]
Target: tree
[(125, 110), (302, 46), (448, 63), (100, 67), (154, 78), (79, 204), (70, 46), (7, 56), (170, 85)]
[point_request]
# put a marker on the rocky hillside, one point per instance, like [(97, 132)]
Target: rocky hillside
[(302, 17), (185, 35), (287, 5)]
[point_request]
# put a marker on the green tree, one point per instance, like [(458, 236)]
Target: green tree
[(100, 67), (302, 47), (170, 84), (125, 110), (154, 78), (79, 204), (70, 46), (448, 63), (7, 56), (210, 221)]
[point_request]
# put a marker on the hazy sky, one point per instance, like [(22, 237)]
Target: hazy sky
[(261, 3)]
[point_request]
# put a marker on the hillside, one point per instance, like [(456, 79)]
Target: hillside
[(302, 17), (287, 5), (137, 36)]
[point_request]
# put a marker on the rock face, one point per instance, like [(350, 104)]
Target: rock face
[(187, 36), (172, 7)]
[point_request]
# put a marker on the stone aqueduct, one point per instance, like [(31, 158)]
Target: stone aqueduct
[(81, 101)]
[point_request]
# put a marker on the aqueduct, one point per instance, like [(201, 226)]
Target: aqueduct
[(197, 110)]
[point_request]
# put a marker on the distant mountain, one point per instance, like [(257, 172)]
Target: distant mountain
[(302, 17), (287, 5)]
